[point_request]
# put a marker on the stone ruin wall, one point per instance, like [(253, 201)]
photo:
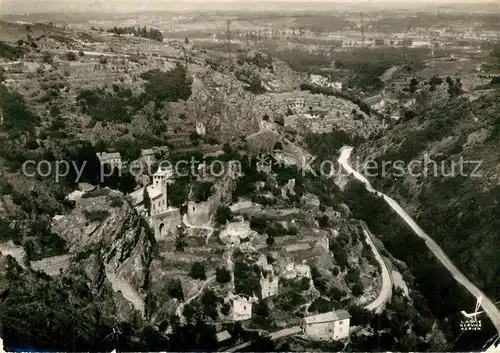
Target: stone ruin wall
[(166, 224), (200, 214)]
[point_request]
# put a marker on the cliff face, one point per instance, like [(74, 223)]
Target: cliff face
[(103, 284), (107, 227), (38, 311)]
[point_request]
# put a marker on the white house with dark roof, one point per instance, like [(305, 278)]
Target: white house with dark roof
[(333, 325), (114, 160), (223, 336)]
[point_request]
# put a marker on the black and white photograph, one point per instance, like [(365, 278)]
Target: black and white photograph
[(249, 176)]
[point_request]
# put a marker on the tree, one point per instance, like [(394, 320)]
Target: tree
[(180, 242), (261, 314), (198, 271), (413, 85), (70, 56), (186, 40), (270, 241), (28, 249), (175, 289), (359, 315), (178, 192), (171, 86), (357, 289), (223, 214), (223, 275), (341, 257), (147, 200), (210, 301), (324, 221), (201, 191)]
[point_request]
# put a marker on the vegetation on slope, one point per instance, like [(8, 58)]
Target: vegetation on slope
[(442, 295)]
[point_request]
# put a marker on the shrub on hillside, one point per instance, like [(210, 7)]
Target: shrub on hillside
[(16, 115), (200, 192), (172, 86), (198, 271), (96, 216), (70, 56), (223, 215), (223, 275), (175, 289)]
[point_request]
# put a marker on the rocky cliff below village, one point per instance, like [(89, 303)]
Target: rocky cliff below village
[(85, 295), (106, 228)]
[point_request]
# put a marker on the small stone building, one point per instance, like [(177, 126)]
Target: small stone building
[(269, 286), (333, 325), (242, 308)]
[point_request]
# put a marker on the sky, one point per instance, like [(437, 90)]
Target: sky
[(9, 6)]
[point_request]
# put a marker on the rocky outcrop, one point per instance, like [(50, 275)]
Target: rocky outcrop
[(107, 236)]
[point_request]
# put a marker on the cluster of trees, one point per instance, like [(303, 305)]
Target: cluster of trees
[(246, 278), (434, 82), (413, 86), (326, 146), (120, 105), (222, 275), (300, 60), (439, 119), (198, 271), (201, 191), (143, 32), (40, 242), (10, 52), (179, 191), (471, 218), (57, 307), (223, 215), (96, 215), (327, 289), (495, 81), (17, 117), (172, 86), (245, 185), (292, 297), (272, 228), (105, 106), (454, 87)]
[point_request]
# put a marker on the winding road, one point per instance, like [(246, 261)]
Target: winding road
[(490, 309), (385, 293)]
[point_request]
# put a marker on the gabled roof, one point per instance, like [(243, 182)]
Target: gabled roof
[(223, 336), (105, 155), (86, 187), (137, 196), (327, 317), (147, 152)]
